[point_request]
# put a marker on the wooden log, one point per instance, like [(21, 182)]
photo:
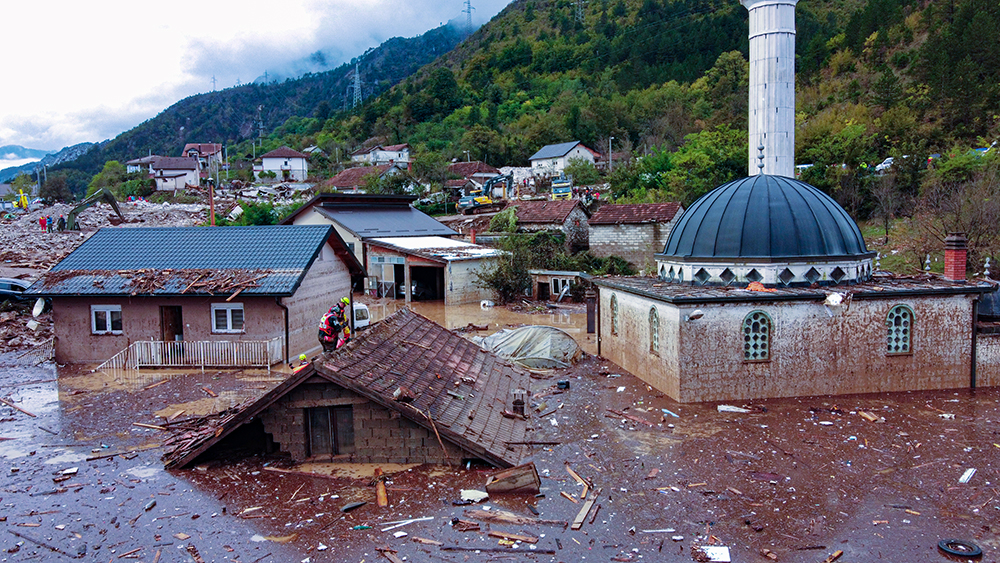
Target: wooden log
[(13, 406), (512, 537), (504, 517), (520, 479), (833, 556), (498, 550), (569, 497), (380, 492)]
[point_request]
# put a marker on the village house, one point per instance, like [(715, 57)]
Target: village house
[(144, 164), (354, 179), (632, 231), (405, 391), (172, 173), (287, 164), (207, 154), (765, 288), (551, 160), (477, 171), (568, 216), (380, 155), (556, 285), (192, 285)]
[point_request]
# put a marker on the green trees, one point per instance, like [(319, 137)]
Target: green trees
[(583, 172), (109, 177)]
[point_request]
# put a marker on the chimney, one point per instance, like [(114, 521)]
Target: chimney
[(955, 245)]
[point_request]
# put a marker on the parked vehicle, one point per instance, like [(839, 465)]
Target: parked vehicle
[(11, 288), (477, 203), (362, 317), (562, 188)]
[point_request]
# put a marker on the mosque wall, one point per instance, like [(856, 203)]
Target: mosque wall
[(810, 351)]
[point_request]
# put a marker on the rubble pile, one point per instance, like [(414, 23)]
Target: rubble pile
[(191, 433), (146, 280), (17, 332)]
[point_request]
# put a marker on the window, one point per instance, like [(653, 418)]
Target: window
[(757, 337), (558, 284), (899, 330), (330, 430), (614, 314), (106, 319), (654, 331), (227, 317)]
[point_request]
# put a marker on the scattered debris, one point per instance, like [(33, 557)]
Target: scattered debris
[(520, 479), (967, 476)]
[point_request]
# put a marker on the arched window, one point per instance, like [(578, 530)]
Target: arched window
[(757, 336), (614, 314), (654, 331), (899, 330)]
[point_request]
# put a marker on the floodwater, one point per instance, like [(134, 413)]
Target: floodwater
[(802, 478)]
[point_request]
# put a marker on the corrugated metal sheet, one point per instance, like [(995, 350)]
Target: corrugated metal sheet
[(373, 221)]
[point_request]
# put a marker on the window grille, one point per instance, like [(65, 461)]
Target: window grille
[(757, 336), (899, 330)]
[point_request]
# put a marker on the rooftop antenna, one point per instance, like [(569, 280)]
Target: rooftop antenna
[(468, 13)]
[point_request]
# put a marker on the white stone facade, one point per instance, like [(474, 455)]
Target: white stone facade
[(769, 273)]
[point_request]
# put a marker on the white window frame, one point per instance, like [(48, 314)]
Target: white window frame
[(107, 310), (229, 308)]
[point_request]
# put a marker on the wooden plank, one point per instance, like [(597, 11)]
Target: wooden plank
[(13, 406), (513, 537), (582, 515)]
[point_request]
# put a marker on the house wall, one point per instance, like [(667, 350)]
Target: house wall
[(324, 284), (380, 435), (811, 352), (635, 243), (460, 283), (190, 178), (987, 360), (75, 343), (297, 168), (577, 230)]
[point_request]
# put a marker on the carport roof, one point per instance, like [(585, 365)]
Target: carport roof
[(437, 248)]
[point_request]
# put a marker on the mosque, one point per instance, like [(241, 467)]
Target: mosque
[(765, 287)]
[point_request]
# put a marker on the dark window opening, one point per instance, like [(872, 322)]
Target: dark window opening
[(330, 430)]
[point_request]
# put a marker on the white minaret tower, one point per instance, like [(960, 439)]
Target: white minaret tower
[(772, 86)]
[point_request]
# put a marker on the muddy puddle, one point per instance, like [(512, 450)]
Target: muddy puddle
[(879, 477)]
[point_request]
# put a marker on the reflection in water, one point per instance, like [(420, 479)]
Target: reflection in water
[(572, 319)]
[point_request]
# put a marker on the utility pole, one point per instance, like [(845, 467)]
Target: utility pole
[(260, 127), (468, 12), (357, 84), (611, 155)]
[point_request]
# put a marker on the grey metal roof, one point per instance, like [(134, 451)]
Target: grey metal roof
[(554, 151), (370, 221), (115, 260), (765, 217)]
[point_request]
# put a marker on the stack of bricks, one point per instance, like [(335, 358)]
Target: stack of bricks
[(955, 251)]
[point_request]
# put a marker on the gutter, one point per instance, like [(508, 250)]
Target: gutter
[(975, 344), (277, 301)]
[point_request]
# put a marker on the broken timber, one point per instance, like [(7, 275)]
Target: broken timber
[(504, 517), (582, 515)]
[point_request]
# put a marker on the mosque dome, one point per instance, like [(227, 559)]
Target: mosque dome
[(770, 229)]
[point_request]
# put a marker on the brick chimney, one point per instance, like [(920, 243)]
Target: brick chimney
[(955, 245)]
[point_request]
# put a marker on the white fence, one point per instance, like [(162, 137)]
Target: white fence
[(181, 354)]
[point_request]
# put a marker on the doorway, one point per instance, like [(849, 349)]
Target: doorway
[(330, 430), (543, 291), (171, 325)]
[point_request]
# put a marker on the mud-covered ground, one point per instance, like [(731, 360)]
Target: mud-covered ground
[(802, 478)]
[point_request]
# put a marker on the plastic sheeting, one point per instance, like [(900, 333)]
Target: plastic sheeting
[(534, 347)]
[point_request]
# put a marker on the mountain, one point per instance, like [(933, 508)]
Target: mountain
[(235, 114), (65, 155), (17, 152)]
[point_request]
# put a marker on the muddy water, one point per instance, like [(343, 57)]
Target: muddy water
[(800, 477), (570, 317)]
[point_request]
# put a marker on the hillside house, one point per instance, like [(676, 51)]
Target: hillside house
[(380, 155), (287, 164), (144, 164), (476, 170), (209, 155), (551, 160), (633, 231), (405, 391), (568, 216), (172, 173), (354, 179), (196, 285)]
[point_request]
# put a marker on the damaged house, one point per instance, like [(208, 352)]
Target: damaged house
[(193, 286), (405, 391)]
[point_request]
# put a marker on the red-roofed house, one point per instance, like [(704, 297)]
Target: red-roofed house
[(287, 164), (175, 172), (204, 152), (378, 154), (633, 231), (476, 170), (353, 179), (568, 216)]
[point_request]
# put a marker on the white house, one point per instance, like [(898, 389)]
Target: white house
[(393, 154), (175, 172), (287, 164), (551, 160), (205, 153), (144, 164)]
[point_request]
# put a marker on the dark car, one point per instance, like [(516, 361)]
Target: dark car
[(13, 289)]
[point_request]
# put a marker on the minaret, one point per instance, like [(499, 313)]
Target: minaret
[(772, 86)]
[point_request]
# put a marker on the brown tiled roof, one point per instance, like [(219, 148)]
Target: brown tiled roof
[(396, 148), (466, 169), (175, 163), (617, 214), (410, 351), (204, 149), (284, 152), (354, 177), (545, 211)]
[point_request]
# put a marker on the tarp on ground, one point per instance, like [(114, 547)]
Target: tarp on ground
[(535, 347)]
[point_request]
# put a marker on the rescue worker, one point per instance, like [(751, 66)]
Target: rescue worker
[(41, 221), (329, 328), (340, 309), (61, 224)]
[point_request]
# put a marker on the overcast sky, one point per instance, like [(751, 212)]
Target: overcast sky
[(87, 70)]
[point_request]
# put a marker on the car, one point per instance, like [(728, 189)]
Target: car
[(11, 288)]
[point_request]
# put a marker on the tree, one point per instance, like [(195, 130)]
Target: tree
[(583, 172), (388, 184), (56, 189), (431, 167), (482, 142), (109, 177), (888, 200), (22, 183)]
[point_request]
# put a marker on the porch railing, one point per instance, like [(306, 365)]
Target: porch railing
[(202, 354)]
